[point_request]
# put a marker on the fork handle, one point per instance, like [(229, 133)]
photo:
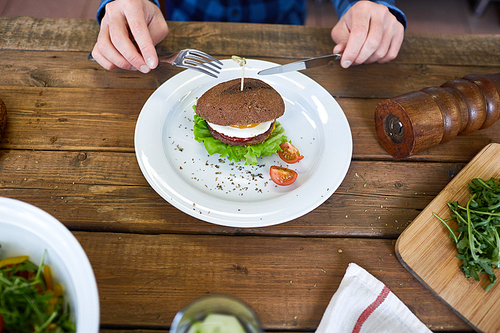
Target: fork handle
[(167, 58)]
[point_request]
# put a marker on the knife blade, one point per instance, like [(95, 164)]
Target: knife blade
[(300, 65)]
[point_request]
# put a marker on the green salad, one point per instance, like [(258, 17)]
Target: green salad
[(30, 301)]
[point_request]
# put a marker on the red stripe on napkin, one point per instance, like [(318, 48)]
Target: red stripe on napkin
[(369, 310)]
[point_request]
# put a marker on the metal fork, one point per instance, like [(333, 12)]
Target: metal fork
[(194, 59)]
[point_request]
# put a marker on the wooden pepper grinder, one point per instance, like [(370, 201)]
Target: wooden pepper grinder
[(411, 123)]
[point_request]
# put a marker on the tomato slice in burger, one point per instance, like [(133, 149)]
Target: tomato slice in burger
[(289, 154), (282, 176)]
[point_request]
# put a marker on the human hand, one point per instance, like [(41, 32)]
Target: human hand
[(367, 32), (130, 29)]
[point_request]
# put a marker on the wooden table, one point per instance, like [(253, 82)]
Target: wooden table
[(69, 149)]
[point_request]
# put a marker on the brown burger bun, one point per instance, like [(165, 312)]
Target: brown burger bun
[(225, 104)]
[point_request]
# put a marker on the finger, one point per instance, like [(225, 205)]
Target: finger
[(339, 48), (394, 47), (390, 45), (340, 32), (141, 34), (373, 40), (101, 60), (383, 48), (120, 38), (340, 35), (357, 36), (381, 52), (158, 29), (105, 52)]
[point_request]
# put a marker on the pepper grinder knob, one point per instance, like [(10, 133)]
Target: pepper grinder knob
[(414, 122)]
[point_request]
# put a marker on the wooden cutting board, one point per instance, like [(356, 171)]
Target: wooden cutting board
[(426, 251)]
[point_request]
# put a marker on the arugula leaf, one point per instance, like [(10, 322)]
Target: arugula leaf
[(478, 241), (238, 153)]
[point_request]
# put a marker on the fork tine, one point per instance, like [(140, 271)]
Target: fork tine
[(194, 59), (201, 60), (196, 65), (204, 55)]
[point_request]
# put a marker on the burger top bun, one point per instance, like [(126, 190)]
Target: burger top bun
[(225, 104)]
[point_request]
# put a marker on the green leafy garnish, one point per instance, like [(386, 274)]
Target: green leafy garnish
[(27, 305), (238, 153), (478, 241)]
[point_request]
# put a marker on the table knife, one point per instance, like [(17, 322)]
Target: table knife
[(300, 65)]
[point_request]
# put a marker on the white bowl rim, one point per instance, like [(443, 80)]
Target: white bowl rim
[(64, 247)]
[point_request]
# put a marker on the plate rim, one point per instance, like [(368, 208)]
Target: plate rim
[(168, 193)]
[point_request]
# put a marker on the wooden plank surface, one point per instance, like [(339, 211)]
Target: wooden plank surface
[(281, 41), (425, 248), (146, 279), (74, 70), (91, 190), (43, 118)]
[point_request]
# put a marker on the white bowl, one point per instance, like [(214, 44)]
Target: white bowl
[(28, 230)]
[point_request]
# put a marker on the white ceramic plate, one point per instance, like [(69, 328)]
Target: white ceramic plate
[(28, 230), (234, 194)]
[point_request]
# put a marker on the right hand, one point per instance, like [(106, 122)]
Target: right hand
[(367, 32), (130, 29)]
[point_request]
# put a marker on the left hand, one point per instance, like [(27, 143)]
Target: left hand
[(126, 22), (367, 32)]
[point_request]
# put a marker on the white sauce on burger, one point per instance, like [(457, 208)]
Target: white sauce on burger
[(243, 133)]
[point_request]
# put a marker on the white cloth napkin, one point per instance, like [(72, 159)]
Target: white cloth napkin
[(363, 304)]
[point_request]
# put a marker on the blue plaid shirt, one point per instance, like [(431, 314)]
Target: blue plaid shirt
[(254, 11)]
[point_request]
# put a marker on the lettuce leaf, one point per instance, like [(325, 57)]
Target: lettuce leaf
[(238, 153)]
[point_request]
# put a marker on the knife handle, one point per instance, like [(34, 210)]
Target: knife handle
[(414, 122)]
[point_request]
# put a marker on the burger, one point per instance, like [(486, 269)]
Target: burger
[(240, 124)]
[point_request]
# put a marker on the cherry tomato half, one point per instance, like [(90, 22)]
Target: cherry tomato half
[(282, 176), (289, 154)]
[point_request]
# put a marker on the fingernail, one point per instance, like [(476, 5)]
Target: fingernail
[(133, 68), (346, 63), (144, 69), (150, 62)]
